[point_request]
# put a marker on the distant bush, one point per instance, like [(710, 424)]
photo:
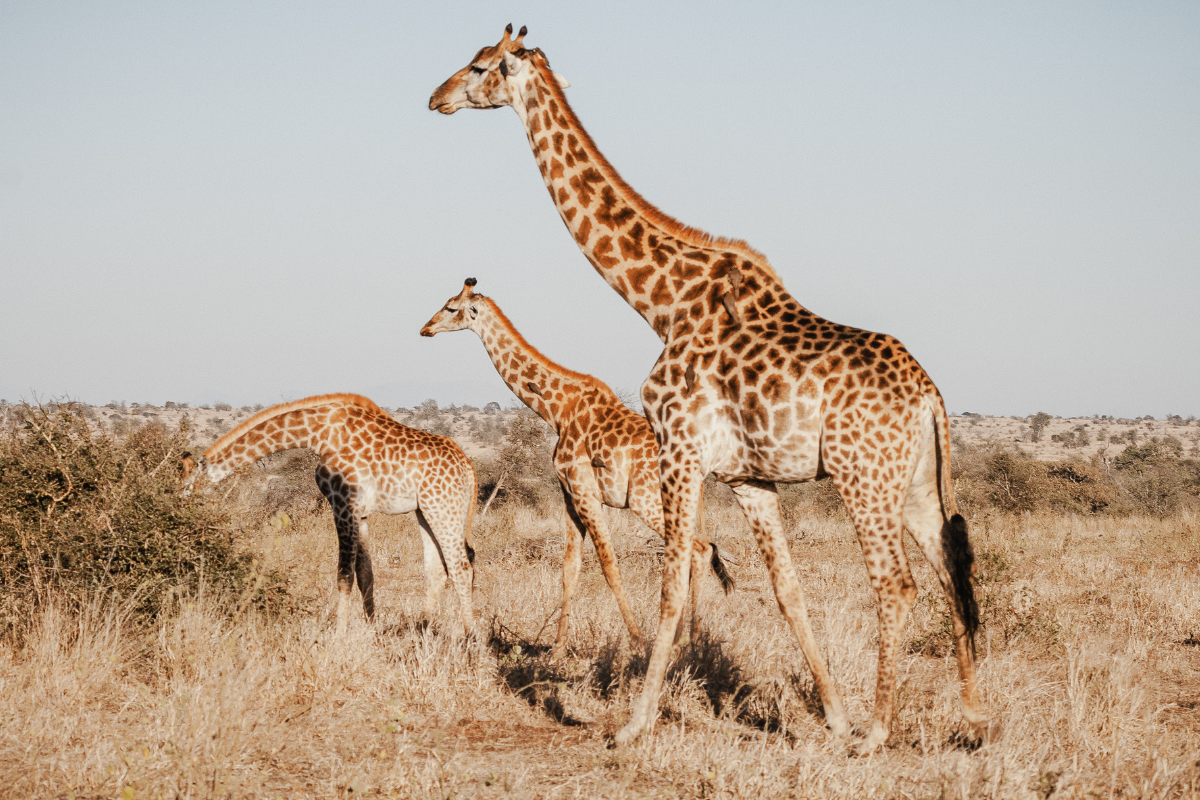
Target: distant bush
[(82, 512), (1151, 478), (1156, 476), (488, 430)]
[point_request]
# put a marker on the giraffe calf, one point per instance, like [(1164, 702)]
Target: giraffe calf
[(369, 463), (606, 454)]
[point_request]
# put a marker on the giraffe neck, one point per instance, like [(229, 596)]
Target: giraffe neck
[(658, 265), (304, 423), (523, 367)]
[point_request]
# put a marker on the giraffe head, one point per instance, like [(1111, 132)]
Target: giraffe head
[(198, 469), (493, 78), (192, 470), (460, 312)]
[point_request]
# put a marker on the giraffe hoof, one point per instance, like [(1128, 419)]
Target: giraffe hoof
[(838, 726), (986, 730), (629, 734), (874, 741)]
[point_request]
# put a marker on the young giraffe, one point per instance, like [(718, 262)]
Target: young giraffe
[(605, 456), (369, 462), (754, 388)]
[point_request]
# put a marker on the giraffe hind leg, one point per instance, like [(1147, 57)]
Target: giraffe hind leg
[(434, 568), (446, 529), (945, 544), (877, 513), (572, 561), (363, 571), (588, 517)]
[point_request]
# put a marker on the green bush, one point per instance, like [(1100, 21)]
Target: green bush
[(82, 512)]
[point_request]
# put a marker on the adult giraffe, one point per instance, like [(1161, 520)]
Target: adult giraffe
[(755, 389), (605, 456), (369, 463)]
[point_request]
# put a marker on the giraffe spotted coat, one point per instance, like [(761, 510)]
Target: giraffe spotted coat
[(369, 463), (606, 454)]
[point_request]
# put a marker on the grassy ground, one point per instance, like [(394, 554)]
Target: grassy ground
[(1089, 662)]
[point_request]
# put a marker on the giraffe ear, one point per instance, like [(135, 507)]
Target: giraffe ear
[(512, 65), (473, 311), (562, 82)]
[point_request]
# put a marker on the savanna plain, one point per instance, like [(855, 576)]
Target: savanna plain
[(160, 645)]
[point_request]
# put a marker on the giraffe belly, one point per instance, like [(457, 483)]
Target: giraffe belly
[(391, 496), (780, 445), (614, 488)]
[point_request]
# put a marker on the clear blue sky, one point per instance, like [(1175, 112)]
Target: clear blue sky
[(251, 202)]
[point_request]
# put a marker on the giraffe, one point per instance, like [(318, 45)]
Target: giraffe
[(606, 454), (369, 462), (755, 389)]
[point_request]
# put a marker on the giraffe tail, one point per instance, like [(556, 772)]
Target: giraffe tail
[(473, 500), (956, 546), (718, 567)]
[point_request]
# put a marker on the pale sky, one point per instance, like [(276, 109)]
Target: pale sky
[(250, 202)]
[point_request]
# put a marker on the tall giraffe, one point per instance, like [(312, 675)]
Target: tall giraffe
[(369, 463), (755, 389), (606, 454)]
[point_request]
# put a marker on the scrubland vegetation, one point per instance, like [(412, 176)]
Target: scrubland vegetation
[(154, 645)]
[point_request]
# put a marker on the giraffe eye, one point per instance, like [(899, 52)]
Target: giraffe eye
[(477, 70), (451, 309)]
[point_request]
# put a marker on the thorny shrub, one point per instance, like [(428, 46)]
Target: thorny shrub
[(84, 513)]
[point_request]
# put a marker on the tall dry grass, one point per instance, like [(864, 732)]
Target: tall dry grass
[(1089, 661)]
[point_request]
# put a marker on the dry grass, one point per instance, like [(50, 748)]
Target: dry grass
[(1089, 661)]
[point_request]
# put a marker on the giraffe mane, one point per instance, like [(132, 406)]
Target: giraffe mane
[(538, 356), (284, 408), (686, 233)]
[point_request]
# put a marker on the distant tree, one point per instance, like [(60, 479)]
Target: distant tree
[(1037, 424), (429, 418)]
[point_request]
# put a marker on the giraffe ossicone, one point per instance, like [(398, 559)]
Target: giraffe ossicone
[(755, 389), (369, 463), (606, 454)]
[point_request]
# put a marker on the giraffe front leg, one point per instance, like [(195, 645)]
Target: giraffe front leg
[(572, 561), (760, 504), (682, 482), (339, 493)]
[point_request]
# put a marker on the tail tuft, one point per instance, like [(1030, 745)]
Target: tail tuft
[(960, 560), (718, 567), (471, 554)]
